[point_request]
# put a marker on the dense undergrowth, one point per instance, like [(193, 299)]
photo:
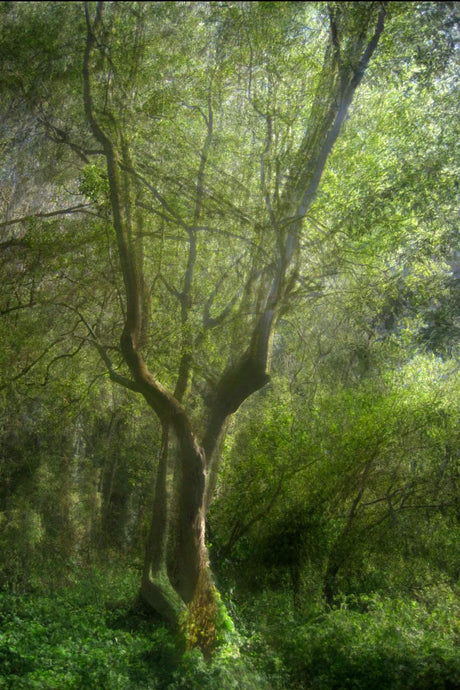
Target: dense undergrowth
[(92, 634)]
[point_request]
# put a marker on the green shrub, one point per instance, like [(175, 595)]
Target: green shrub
[(74, 639), (91, 636), (376, 643)]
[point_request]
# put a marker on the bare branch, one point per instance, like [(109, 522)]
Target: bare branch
[(169, 288), (65, 355), (114, 375), (60, 136), (32, 364), (163, 216), (80, 208), (211, 322), (156, 194), (263, 181), (228, 233), (93, 340)]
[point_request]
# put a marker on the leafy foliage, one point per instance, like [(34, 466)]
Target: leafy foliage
[(373, 642), (83, 637), (162, 155), (93, 635)]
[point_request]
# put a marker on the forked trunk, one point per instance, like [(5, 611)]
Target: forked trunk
[(176, 580)]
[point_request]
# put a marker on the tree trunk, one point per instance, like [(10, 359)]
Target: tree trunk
[(330, 576), (177, 578)]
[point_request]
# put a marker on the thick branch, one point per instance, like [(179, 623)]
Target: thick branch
[(251, 371), (240, 381), (164, 404)]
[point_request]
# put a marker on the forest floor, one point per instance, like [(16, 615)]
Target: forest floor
[(90, 634)]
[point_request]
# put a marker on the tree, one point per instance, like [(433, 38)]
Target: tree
[(354, 33), (176, 155)]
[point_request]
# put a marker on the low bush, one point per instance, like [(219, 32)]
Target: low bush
[(372, 642), (93, 637)]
